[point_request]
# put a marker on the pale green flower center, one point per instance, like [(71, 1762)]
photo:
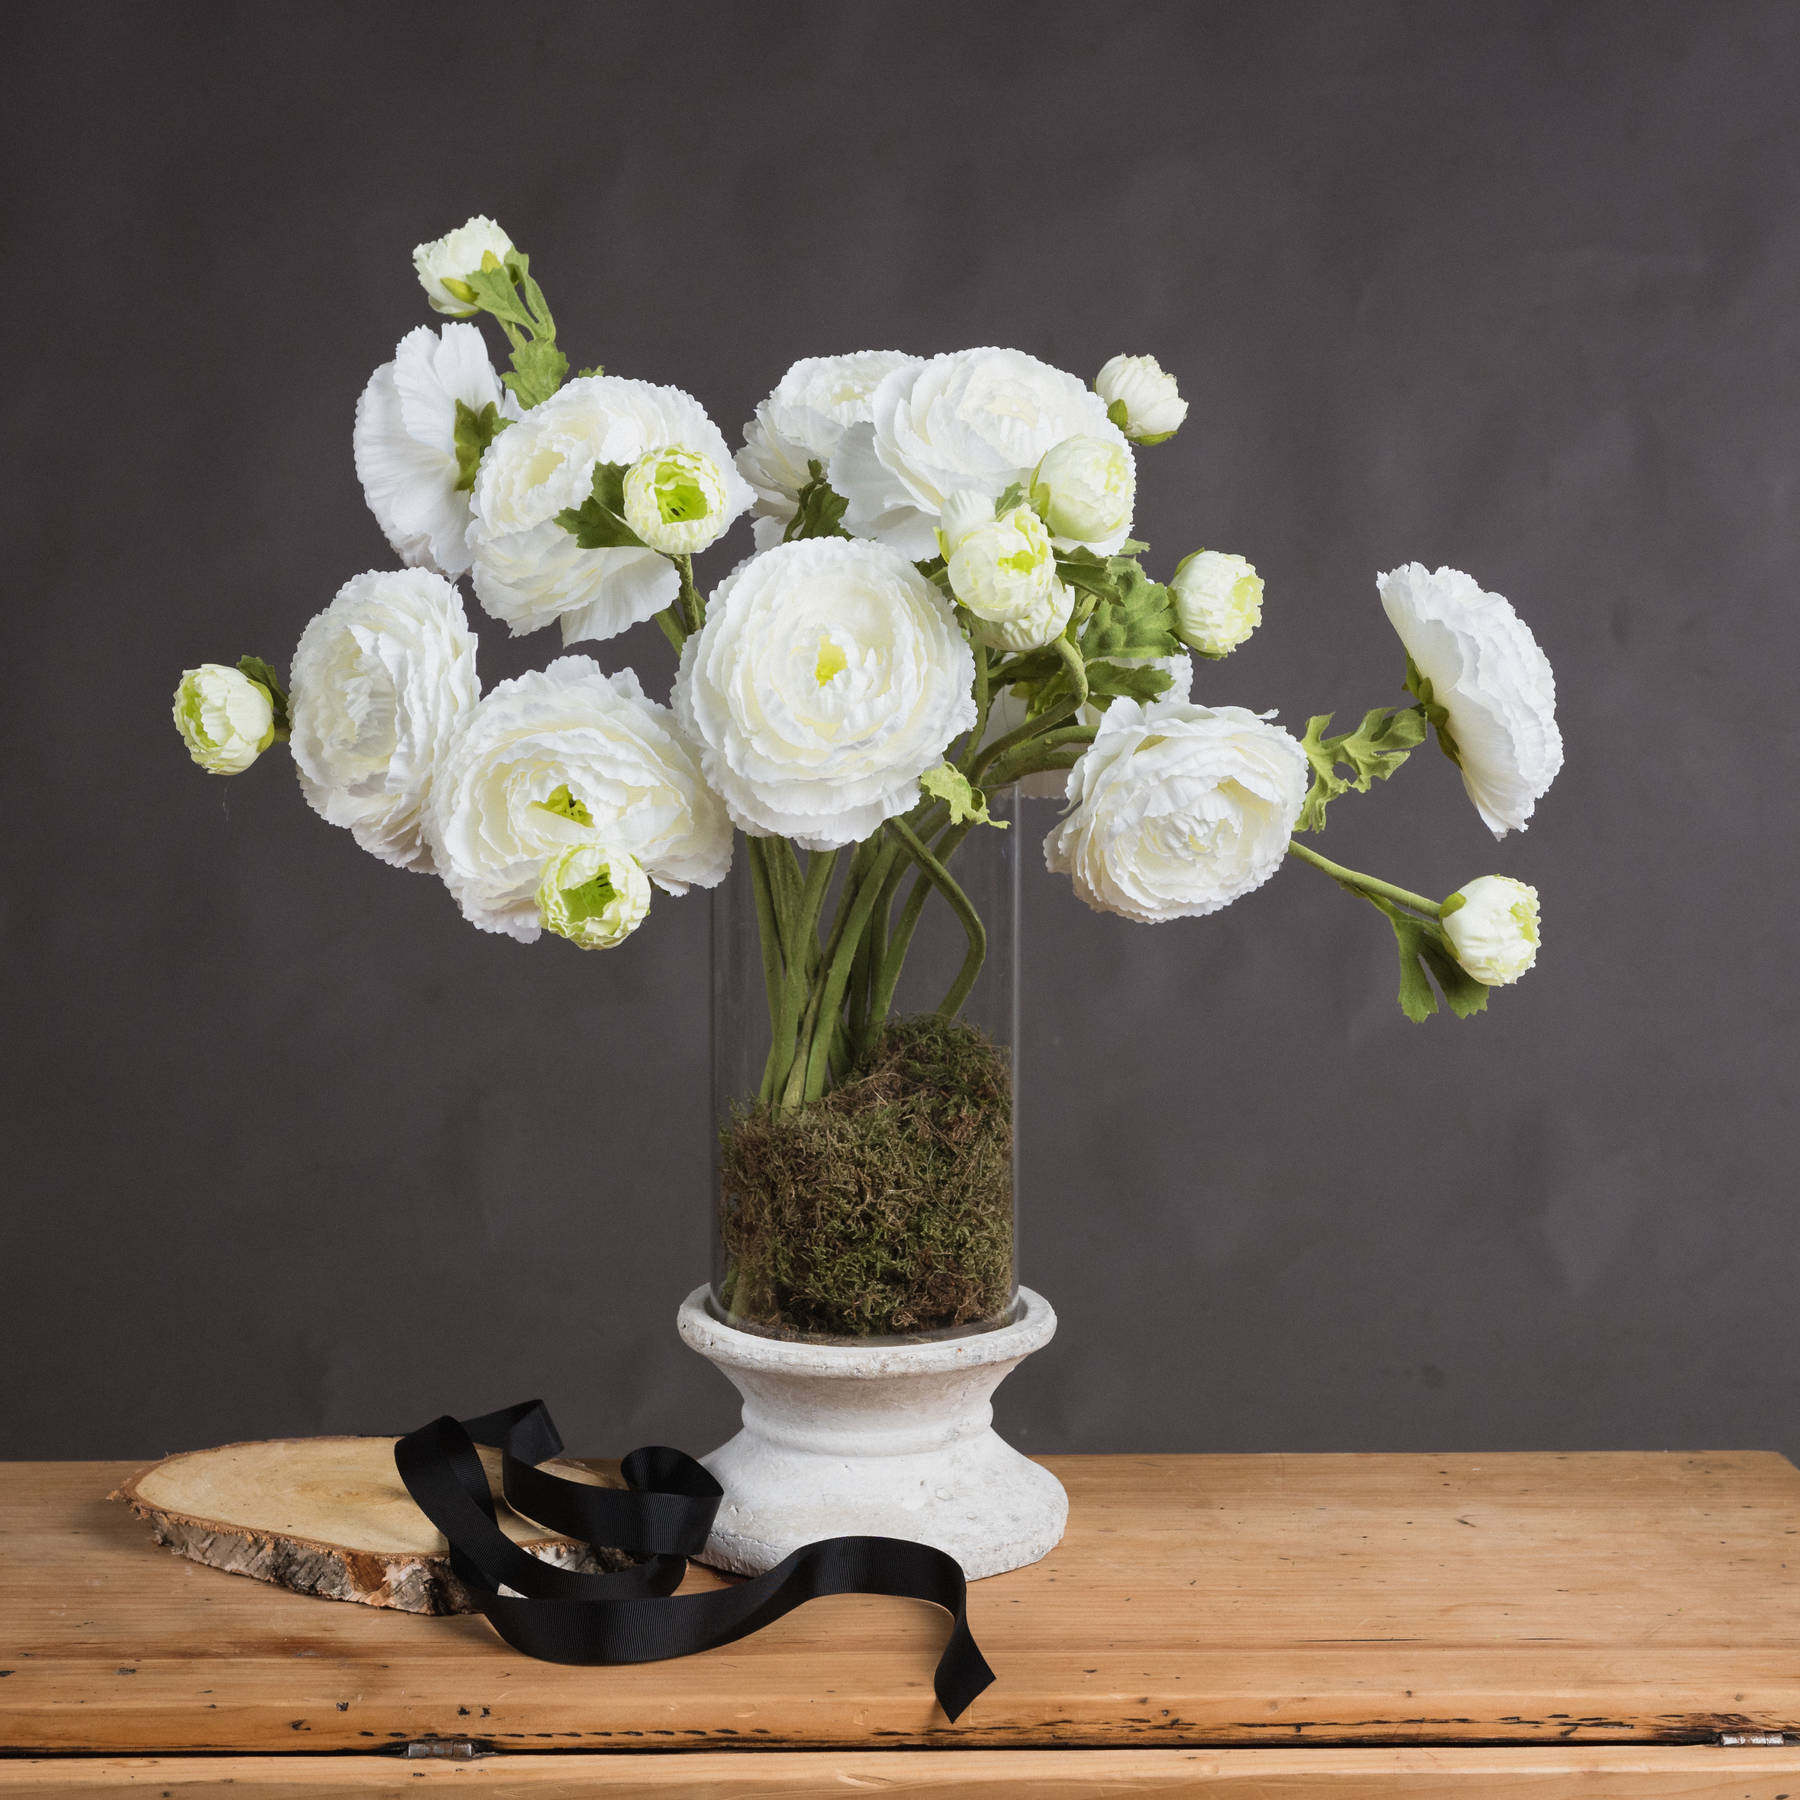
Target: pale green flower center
[(1525, 917), (678, 488), (591, 899), (832, 661), (565, 804)]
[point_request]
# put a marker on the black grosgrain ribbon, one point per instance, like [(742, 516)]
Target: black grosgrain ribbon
[(663, 1514)]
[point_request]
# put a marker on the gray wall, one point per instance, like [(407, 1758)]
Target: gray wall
[(293, 1149)]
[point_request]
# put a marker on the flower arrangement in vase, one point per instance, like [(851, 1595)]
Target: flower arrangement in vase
[(944, 607)]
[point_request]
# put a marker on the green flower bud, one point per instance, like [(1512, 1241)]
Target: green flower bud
[(676, 500), (594, 897), (443, 263), (1218, 601), (226, 720), (1492, 927), (1085, 489)]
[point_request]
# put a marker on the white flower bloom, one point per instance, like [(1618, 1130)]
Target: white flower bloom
[(562, 756), (802, 422), (444, 262), (1492, 925), (676, 501), (977, 419), (528, 569), (405, 442), (593, 896), (1218, 601), (1138, 388), (1004, 572), (1177, 810), (1481, 665), (829, 676), (1086, 488), (380, 679), (226, 720)]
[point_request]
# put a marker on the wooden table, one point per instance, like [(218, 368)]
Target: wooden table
[(1276, 1626)]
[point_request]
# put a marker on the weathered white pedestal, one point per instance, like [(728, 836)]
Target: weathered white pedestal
[(891, 1440)]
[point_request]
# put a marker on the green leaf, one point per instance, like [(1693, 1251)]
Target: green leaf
[(474, 432), (1372, 752), (1014, 496), (537, 372), (264, 674), (1143, 683), (967, 804), (819, 511), (598, 523), (1423, 948), (583, 374), (1133, 615), (496, 292), (1120, 414)]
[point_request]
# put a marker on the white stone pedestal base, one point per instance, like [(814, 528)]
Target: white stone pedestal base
[(889, 1440)]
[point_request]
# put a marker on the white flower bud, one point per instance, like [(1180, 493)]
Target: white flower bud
[(676, 500), (226, 719), (1218, 601), (1141, 398), (593, 896), (445, 264), (1085, 488), (1004, 573), (1492, 925)]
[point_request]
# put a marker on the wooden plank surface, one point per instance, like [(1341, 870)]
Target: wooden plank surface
[(1201, 1600), (1689, 1773)]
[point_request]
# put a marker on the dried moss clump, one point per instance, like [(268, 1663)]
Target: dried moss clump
[(883, 1209)]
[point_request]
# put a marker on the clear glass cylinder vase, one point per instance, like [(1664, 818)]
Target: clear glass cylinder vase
[(864, 1164)]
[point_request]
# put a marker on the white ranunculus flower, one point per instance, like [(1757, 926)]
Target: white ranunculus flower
[(444, 262), (1139, 388), (226, 720), (1086, 488), (1492, 925), (1177, 810), (813, 405), (562, 756), (1003, 571), (676, 501), (829, 676), (593, 896), (1218, 601), (975, 419), (380, 679), (405, 442), (528, 569), (1480, 664)]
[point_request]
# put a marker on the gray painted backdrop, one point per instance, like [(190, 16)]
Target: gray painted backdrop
[(293, 1149)]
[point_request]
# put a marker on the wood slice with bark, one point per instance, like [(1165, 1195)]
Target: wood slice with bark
[(330, 1516)]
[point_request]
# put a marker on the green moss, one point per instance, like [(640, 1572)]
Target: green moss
[(883, 1209)]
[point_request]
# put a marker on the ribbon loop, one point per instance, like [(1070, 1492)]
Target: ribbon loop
[(663, 1514)]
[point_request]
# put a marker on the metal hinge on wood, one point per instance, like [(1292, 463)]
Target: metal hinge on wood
[(446, 1749), (1731, 1739)]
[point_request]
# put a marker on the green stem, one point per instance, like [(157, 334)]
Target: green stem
[(852, 928), (768, 927), (693, 608), (802, 940), (1032, 728), (1366, 885), (942, 880)]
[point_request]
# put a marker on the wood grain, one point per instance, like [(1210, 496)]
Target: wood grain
[(328, 1516), (1198, 1601), (1691, 1773)]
